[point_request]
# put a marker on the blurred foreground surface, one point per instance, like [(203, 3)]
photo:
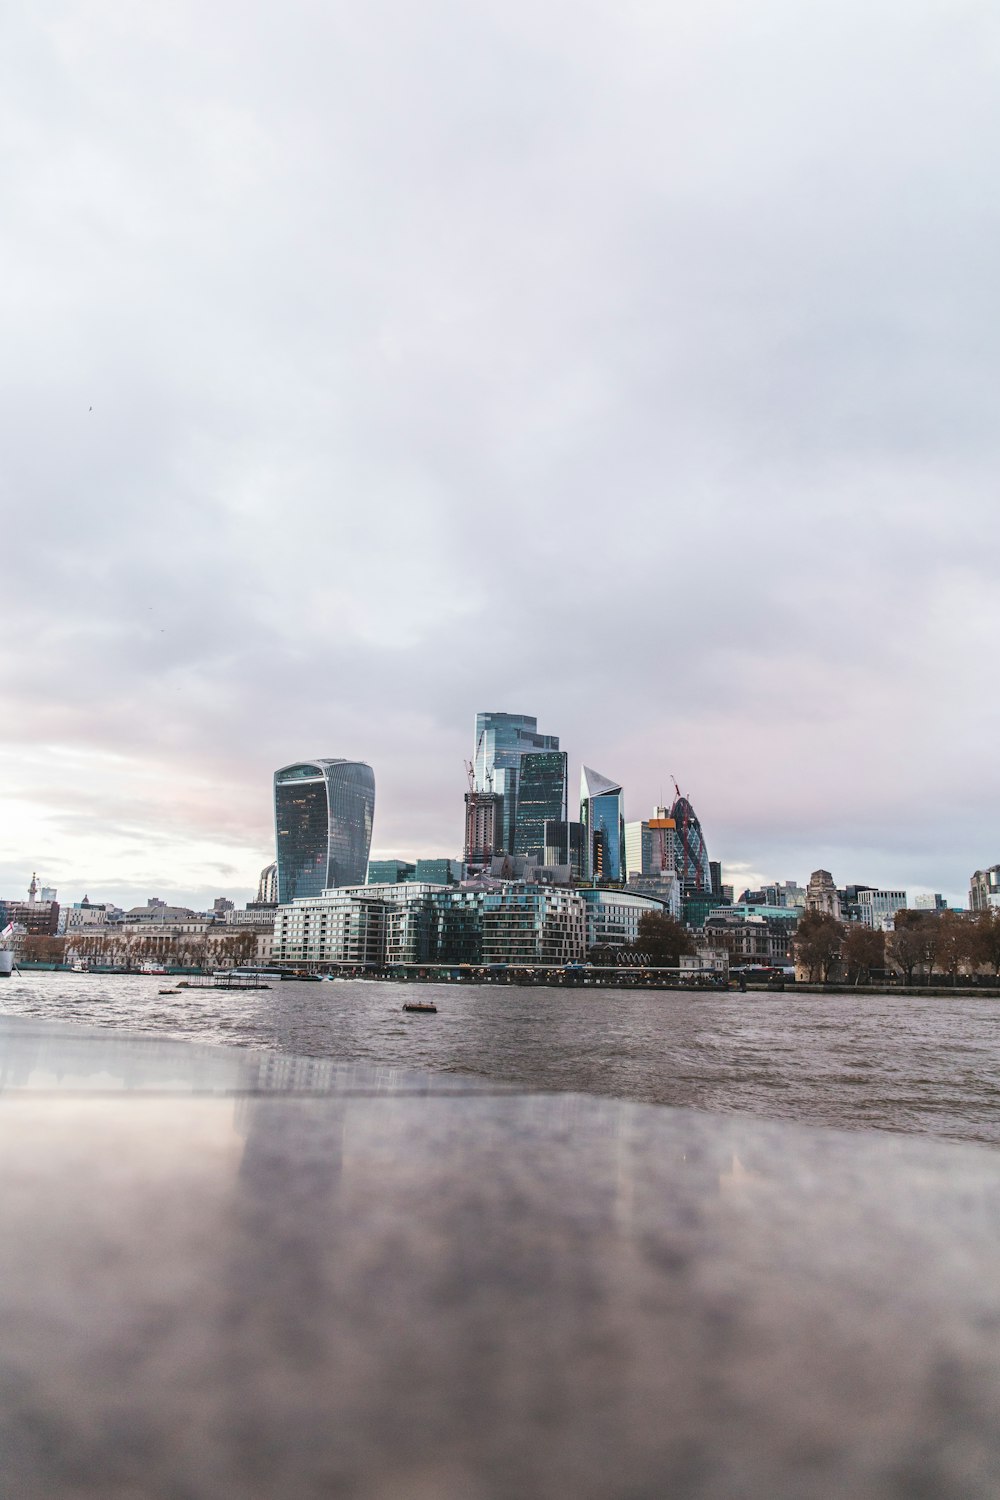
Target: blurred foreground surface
[(231, 1274)]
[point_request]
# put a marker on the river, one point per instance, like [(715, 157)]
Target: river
[(891, 1062)]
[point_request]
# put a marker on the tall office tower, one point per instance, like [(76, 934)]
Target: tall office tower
[(601, 813), (267, 886), (693, 867), (541, 797), (501, 740), (564, 845), (323, 812), (651, 846)]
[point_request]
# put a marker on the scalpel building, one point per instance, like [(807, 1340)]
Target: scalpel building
[(323, 813)]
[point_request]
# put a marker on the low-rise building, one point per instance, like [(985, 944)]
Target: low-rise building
[(531, 924), (749, 937), (85, 915), (420, 922), (613, 915)]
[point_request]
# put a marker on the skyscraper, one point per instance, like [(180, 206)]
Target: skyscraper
[(651, 846), (501, 740), (602, 815), (541, 797), (692, 855), (323, 813)]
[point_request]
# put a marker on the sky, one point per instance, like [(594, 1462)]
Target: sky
[(632, 365)]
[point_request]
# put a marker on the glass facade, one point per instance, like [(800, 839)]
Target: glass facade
[(390, 871), (651, 846), (602, 815), (541, 798), (501, 741), (411, 923), (565, 845), (323, 813), (439, 871), (693, 866)]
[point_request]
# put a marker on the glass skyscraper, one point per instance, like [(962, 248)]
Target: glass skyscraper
[(693, 866), (602, 815), (323, 812), (541, 797), (501, 741)]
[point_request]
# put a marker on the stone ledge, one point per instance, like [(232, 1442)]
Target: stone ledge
[(232, 1293)]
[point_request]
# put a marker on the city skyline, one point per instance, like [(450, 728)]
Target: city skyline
[(632, 364), (517, 730)]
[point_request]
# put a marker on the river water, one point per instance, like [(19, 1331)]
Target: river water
[(894, 1062)]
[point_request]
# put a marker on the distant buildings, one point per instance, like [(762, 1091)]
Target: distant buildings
[(486, 923), (565, 847), (651, 846), (541, 799), (984, 889), (423, 872), (693, 868), (323, 814), (501, 740), (83, 916), (602, 816), (750, 935), (37, 918), (267, 886), (372, 926), (877, 909), (786, 894), (651, 859), (390, 871), (822, 895), (483, 829)]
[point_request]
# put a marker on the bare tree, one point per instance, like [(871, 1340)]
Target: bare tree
[(663, 939), (817, 944), (956, 943), (907, 948), (986, 939), (862, 950)]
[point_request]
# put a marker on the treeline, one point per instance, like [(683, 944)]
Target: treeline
[(923, 944)]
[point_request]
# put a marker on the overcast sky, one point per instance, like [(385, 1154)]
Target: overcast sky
[(633, 365)]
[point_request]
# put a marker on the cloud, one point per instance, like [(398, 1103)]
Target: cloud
[(632, 366)]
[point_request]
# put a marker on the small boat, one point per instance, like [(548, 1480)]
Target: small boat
[(422, 1007)]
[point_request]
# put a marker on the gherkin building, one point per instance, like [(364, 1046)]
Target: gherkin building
[(693, 869)]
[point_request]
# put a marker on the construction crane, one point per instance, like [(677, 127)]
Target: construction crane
[(474, 799)]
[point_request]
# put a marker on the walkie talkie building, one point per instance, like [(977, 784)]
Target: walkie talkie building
[(323, 813)]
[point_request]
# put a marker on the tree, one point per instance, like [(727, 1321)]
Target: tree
[(986, 939), (662, 939), (43, 948), (907, 946), (956, 943), (862, 950), (817, 943)]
